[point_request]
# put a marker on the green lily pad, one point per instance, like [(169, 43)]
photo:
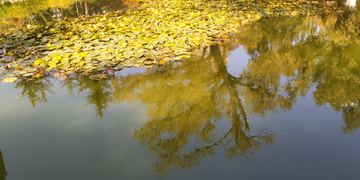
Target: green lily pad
[(6, 59), (136, 37)]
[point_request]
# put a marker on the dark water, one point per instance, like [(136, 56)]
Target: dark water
[(278, 101)]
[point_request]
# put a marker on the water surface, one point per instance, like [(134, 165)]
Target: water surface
[(278, 101)]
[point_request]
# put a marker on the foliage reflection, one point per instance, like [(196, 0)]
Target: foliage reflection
[(35, 91), (321, 51), (187, 101), (99, 92)]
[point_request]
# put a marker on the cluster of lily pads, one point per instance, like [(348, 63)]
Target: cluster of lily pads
[(153, 33)]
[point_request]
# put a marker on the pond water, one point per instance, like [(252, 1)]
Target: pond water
[(278, 101)]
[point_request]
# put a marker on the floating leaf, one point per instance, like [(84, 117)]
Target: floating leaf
[(161, 62), (166, 30), (37, 62), (98, 76), (9, 80), (81, 63)]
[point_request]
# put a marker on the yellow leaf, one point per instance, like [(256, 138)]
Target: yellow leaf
[(161, 62), (67, 55), (37, 75), (81, 63), (82, 54), (52, 65), (55, 59), (78, 49), (64, 60), (196, 42), (43, 63), (9, 80), (37, 62)]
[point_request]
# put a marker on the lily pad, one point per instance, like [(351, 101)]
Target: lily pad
[(6, 59), (156, 32), (98, 76)]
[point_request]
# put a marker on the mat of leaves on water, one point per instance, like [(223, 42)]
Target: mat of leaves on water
[(151, 34)]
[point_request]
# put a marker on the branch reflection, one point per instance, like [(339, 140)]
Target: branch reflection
[(99, 92), (185, 101), (35, 91), (320, 51)]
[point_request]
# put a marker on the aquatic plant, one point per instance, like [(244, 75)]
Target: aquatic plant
[(153, 33)]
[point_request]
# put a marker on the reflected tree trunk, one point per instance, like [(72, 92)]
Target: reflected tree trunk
[(86, 8), (77, 9), (231, 82), (199, 104)]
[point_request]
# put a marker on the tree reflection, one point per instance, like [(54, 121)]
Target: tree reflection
[(337, 73), (185, 101), (99, 92), (319, 50), (35, 91), (3, 172), (351, 116), (280, 50)]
